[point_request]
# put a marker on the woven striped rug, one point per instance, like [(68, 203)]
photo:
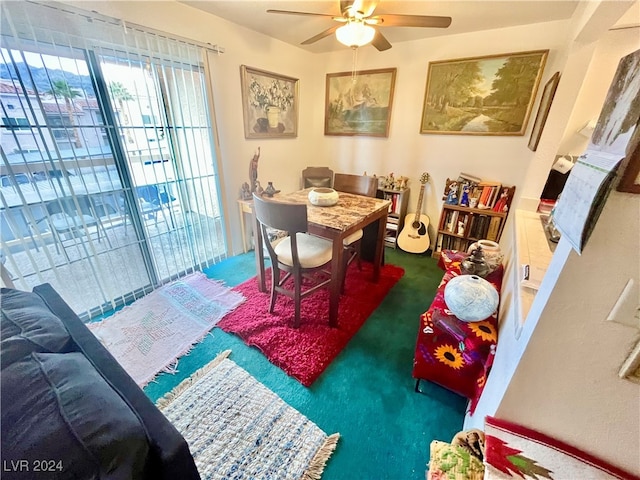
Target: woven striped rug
[(238, 428)]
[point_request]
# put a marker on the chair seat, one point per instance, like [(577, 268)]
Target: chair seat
[(63, 222), (312, 251), (354, 237)]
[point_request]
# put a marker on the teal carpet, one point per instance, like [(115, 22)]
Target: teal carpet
[(367, 393)]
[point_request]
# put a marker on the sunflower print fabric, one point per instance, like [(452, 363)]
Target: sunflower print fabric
[(454, 354)]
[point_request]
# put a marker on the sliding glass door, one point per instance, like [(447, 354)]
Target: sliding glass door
[(108, 185)]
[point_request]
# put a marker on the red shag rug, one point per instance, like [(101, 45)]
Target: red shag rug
[(304, 353)]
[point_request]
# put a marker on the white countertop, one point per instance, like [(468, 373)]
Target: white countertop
[(534, 252)]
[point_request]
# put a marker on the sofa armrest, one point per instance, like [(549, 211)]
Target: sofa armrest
[(169, 453)]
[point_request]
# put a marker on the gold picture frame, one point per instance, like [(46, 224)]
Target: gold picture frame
[(359, 103), (269, 104), (548, 93), (482, 95)]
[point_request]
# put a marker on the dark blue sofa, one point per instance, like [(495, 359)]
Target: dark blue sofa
[(68, 410)]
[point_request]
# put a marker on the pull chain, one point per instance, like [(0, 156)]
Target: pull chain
[(354, 65)]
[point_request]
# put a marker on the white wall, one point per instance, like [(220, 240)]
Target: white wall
[(566, 383)]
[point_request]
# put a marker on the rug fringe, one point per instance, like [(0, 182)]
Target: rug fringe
[(319, 460), (168, 398)]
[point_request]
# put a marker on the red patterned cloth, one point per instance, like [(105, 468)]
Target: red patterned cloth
[(454, 354)]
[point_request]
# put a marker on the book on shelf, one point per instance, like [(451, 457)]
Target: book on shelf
[(489, 194), (466, 177), (465, 221), (392, 226), (453, 221), (494, 229)]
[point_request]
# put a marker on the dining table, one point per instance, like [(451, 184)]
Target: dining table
[(335, 222)]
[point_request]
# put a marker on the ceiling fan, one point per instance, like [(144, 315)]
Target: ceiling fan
[(358, 22)]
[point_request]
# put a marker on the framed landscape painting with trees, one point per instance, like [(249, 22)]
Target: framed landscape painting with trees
[(490, 95)]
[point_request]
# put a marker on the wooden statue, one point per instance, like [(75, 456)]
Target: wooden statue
[(253, 170)]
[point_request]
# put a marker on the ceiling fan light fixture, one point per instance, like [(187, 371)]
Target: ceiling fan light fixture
[(355, 33)]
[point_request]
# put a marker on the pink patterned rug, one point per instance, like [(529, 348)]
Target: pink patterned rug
[(304, 353), (148, 336)]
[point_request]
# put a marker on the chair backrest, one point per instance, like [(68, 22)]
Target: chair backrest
[(317, 177), (290, 217), (62, 205), (357, 184)]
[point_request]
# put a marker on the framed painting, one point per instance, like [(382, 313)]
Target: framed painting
[(617, 130), (543, 110), (269, 104), (359, 103), (490, 95)]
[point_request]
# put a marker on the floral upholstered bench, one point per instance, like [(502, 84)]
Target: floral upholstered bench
[(454, 354)]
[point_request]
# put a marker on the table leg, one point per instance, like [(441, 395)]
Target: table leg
[(242, 229), (377, 260), (257, 236), (336, 281)]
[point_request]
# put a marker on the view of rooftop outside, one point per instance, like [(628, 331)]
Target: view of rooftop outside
[(108, 192)]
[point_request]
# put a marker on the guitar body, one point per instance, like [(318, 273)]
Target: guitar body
[(414, 236)]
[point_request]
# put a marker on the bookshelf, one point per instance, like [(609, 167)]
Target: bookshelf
[(460, 226), (397, 212)]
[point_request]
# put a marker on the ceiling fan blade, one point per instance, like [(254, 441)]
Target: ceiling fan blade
[(290, 12), (380, 42), (391, 20), (321, 35)]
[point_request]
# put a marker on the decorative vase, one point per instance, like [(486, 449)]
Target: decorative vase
[(270, 190), (492, 253), (273, 116), (475, 264), (471, 298), (323, 197)]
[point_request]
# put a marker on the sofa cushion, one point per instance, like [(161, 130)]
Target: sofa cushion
[(59, 408), (27, 325)]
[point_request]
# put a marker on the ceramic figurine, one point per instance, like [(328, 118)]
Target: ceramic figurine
[(464, 199), (452, 196), (501, 204), (475, 264), (270, 191), (245, 193)]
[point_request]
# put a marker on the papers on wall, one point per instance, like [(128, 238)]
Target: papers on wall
[(584, 195)]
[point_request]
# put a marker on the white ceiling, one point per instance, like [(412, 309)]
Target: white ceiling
[(467, 16)]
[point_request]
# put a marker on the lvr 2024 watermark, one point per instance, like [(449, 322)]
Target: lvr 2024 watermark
[(23, 465)]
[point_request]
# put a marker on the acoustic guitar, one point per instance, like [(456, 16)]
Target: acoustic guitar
[(414, 237)]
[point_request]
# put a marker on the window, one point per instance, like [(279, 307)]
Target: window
[(15, 123), (124, 149)]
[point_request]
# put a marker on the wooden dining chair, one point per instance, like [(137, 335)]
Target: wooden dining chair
[(359, 185), (317, 177), (299, 255)]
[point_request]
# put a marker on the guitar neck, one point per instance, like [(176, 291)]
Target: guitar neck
[(419, 209)]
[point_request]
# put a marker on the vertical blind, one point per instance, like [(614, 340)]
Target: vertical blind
[(109, 185)]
